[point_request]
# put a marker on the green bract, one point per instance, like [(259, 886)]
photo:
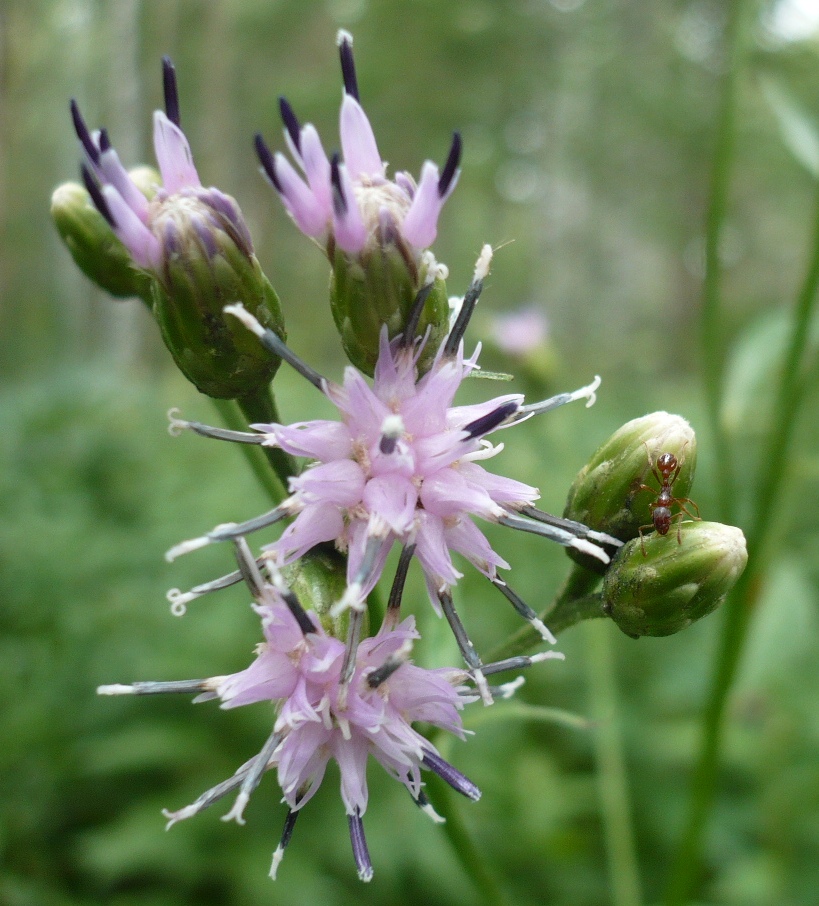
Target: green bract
[(673, 584), (606, 494), (98, 253), (378, 288), (201, 273)]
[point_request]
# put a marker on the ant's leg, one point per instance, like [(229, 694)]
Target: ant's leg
[(642, 539), (682, 500)]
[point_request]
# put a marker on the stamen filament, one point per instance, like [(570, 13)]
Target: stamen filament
[(276, 345)]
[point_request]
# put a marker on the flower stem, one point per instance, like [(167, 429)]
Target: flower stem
[(468, 854), (261, 407), (611, 770), (741, 604), (572, 604), (712, 339), (232, 417)]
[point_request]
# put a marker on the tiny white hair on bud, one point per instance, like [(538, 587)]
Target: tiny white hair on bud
[(176, 424), (115, 689), (239, 311), (541, 656), (343, 37), (483, 263)]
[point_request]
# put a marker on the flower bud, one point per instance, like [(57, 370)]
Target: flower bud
[(380, 288), (192, 244), (609, 493), (207, 262), (672, 584), (319, 580), (96, 250)]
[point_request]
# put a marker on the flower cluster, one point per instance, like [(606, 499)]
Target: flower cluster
[(401, 466)]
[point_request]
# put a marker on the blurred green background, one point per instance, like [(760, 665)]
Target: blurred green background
[(588, 132)]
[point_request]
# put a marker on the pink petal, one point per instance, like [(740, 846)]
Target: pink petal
[(393, 498), (340, 483), (467, 539), (348, 227), (143, 246), (420, 226), (324, 440), (358, 141), (446, 493), (173, 154), (317, 168), (117, 175), (300, 201)]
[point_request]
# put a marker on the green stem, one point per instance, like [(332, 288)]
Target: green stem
[(231, 415), (473, 863), (611, 770), (741, 604), (712, 339), (261, 408), (572, 603)]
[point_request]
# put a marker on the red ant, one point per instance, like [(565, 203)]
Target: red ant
[(666, 470)]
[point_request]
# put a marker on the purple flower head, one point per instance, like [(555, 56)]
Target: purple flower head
[(181, 210), (334, 701), (403, 464), (347, 200)]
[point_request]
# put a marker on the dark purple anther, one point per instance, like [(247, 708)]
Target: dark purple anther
[(300, 614), (83, 134), (291, 123), (287, 831), (93, 189), (345, 49), (267, 161), (339, 200), (491, 420), (171, 92), (460, 783), (451, 165), (104, 140), (360, 852)]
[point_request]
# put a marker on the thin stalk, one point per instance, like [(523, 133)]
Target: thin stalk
[(741, 604), (572, 603), (261, 408), (231, 415), (611, 770), (473, 863), (711, 328)]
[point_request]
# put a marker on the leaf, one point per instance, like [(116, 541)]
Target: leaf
[(798, 130)]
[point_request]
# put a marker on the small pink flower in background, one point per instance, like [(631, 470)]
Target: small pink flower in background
[(520, 332), (348, 200)]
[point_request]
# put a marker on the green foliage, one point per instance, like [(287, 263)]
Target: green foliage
[(587, 131)]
